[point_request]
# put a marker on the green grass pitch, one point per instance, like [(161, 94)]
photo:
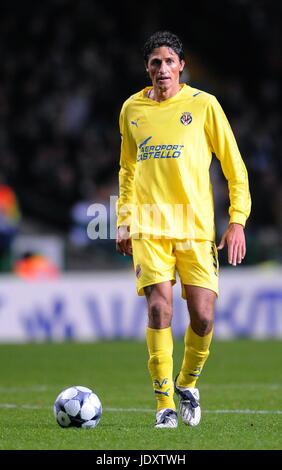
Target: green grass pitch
[(241, 397)]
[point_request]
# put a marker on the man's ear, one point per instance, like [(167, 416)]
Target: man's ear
[(182, 65)]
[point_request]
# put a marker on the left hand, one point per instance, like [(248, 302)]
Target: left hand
[(123, 241), (234, 236)]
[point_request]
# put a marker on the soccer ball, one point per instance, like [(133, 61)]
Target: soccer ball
[(79, 407)]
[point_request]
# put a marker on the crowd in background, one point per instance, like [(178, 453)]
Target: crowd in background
[(66, 68)]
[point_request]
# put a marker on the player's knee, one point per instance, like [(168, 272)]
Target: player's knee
[(159, 314), (202, 322)]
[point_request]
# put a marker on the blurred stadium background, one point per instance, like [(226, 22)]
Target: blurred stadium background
[(66, 68)]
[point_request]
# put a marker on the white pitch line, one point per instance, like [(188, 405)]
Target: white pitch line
[(35, 388), (267, 386), (245, 412), (45, 388), (146, 410), (27, 406)]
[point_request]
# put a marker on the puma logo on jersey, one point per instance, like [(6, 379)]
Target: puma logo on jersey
[(135, 123)]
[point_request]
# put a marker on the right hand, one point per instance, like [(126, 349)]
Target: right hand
[(123, 242)]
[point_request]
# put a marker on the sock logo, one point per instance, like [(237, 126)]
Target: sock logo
[(160, 384), (166, 393), (196, 372)]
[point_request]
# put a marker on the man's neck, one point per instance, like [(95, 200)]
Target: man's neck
[(157, 94)]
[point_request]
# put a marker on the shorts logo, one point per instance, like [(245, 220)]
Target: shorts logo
[(214, 258), (138, 271), (186, 118)]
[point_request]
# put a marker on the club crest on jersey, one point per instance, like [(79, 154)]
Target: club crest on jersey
[(186, 118)]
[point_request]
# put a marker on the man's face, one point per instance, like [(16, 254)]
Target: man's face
[(164, 68)]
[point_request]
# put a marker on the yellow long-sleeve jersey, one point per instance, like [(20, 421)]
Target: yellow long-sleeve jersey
[(166, 152)]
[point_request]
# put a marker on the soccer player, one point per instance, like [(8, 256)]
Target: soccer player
[(169, 132)]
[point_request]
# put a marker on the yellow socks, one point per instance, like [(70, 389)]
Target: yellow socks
[(160, 365), (195, 355)]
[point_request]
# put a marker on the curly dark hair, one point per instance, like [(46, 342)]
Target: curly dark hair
[(163, 38)]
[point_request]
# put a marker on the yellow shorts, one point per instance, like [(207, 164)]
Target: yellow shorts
[(157, 260)]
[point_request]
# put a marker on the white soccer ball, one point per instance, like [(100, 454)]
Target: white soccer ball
[(78, 406)]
